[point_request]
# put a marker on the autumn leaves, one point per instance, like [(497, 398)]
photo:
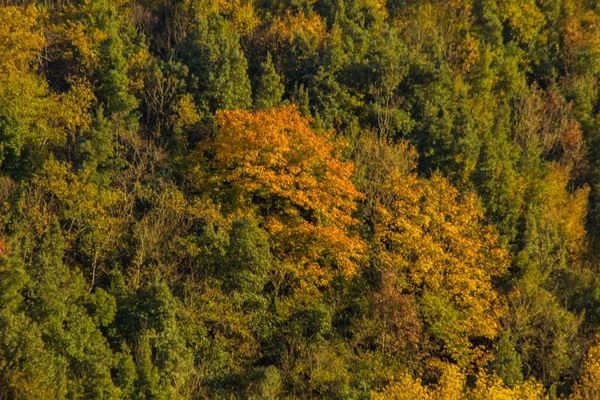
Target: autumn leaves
[(273, 164), (430, 242)]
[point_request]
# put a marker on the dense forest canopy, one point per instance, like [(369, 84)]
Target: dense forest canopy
[(346, 199)]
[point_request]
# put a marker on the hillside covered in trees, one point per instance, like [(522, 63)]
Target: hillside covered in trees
[(281, 199)]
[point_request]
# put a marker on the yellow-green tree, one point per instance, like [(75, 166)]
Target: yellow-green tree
[(32, 117)]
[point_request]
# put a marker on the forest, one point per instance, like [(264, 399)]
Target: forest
[(300, 199)]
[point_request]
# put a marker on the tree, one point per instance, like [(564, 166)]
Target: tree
[(507, 362), (63, 339), (434, 241), (272, 163), (113, 90), (452, 385), (269, 89), (218, 66), (248, 256), (588, 384), (27, 368), (27, 107)]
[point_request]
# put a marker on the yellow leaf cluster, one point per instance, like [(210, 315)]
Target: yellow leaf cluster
[(285, 29), (452, 386), (492, 387), (565, 210), (137, 66), (186, 113), (405, 387), (436, 240), (74, 113), (21, 38), (40, 116), (525, 18), (242, 15), (79, 46)]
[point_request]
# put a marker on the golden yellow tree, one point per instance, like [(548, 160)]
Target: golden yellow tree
[(588, 385), (435, 243), (404, 387), (452, 385)]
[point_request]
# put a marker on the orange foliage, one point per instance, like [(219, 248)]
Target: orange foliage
[(3, 247), (581, 34), (273, 162)]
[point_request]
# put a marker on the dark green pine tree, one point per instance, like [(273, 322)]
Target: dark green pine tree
[(249, 258), (269, 90), (507, 363), (50, 345), (27, 368), (218, 66), (113, 89), (95, 148)]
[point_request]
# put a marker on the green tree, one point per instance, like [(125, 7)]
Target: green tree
[(113, 90), (507, 362), (248, 257), (269, 90), (217, 64)]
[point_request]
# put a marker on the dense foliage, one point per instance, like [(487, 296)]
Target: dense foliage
[(345, 199)]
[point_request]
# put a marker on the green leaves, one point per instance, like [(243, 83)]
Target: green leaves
[(269, 89), (299, 199), (217, 65)]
